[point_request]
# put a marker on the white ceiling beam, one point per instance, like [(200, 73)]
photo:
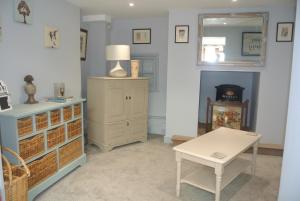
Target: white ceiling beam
[(96, 18)]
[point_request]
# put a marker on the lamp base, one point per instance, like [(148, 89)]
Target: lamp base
[(117, 71)]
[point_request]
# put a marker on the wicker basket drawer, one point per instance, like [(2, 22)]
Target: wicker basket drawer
[(41, 121), (42, 168), (74, 128), (56, 136), (67, 113), (24, 126), (55, 117), (77, 110), (32, 147), (70, 152)]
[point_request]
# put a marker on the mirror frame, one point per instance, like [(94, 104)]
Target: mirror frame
[(259, 63)]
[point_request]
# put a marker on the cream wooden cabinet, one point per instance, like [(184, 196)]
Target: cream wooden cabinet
[(117, 111)]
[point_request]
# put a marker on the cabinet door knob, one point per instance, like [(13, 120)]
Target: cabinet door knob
[(126, 97), (129, 97), (127, 123)]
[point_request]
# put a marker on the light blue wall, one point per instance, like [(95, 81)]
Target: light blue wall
[(98, 38), (22, 49), (290, 177), (95, 63), (184, 76), (121, 33)]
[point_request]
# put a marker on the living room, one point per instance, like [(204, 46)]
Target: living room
[(175, 81)]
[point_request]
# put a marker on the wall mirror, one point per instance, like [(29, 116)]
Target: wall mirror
[(236, 39)]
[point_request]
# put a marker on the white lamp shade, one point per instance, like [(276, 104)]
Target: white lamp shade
[(117, 52)]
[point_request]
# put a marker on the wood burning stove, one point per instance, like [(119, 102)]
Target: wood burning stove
[(228, 92)]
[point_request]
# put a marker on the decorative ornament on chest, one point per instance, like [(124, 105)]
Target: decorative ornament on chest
[(30, 89)]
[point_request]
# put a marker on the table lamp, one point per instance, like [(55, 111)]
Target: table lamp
[(117, 53)]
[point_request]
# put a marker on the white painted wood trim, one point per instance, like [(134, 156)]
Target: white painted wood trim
[(96, 18), (271, 146), (204, 177)]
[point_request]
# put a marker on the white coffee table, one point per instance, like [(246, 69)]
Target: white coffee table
[(208, 150)]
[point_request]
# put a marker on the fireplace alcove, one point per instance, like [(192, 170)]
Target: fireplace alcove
[(209, 80)]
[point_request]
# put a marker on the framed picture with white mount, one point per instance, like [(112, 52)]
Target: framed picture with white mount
[(51, 37), (285, 32), (141, 36), (251, 43), (83, 44), (182, 34)]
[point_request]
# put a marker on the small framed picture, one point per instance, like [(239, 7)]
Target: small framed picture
[(52, 37), (83, 44), (141, 36), (182, 34), (23, 11), (0, 31), (285, 32), (251, 43), (5, 103)]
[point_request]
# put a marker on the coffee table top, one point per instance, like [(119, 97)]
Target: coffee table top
[(220, 146)]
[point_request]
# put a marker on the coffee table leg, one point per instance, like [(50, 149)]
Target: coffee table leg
[(255, 147), (178, 176), (219, 173)]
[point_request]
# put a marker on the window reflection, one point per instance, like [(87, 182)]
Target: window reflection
[(213, 49)]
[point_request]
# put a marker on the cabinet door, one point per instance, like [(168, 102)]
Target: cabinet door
[(138, 98), (116, 133), (137, 129), (115, 101)]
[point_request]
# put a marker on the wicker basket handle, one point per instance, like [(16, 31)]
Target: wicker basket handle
[(19, 158), (9, 168)]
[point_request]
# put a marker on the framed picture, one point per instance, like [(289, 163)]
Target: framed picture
[(181, 33), (226, 116), (4, 97), (141, 36), (23, 11), (285, 32), (83, 44), (229, 114), (0, 30), (51, 37), (251, 43)]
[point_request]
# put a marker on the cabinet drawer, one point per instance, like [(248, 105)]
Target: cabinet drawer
[(56, 136), (55, 117), (24, 126), (115, 132), (74, 128), (70, 152), (41, 121), (77, 110), (42, 168), (67, 113), (32, 147)]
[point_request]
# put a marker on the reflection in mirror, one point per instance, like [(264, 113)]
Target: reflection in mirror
[(232, 39)]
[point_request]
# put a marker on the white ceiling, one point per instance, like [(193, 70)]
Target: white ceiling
[(152, 8)]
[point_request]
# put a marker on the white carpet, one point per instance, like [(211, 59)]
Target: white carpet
[(147, 172)]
